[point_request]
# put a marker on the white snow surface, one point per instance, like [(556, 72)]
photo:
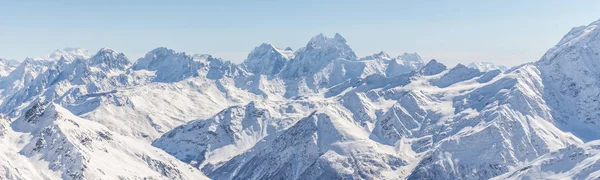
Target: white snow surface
[(315, 113), (487, 66), (6, 66)]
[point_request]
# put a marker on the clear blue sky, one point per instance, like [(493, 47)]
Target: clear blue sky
[(505, 32)]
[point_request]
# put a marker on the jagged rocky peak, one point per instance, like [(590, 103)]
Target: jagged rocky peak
[(32, 116), (433, 67), (266, 59), (109, 59), (321, 38), (319, 52), (335, 46)]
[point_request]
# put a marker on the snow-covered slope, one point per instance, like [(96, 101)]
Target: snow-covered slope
[(6, 66), (572, 162), (315, 113), (571, 75), (49, 142)]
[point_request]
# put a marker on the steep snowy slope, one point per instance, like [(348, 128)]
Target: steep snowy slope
[(503, 123), (571, 76), (7, 66), (82, 149), (23, 73), (227, 134), (14, 165), (316, 147)]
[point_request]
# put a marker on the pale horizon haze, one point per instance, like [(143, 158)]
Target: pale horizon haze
[(503, 32)]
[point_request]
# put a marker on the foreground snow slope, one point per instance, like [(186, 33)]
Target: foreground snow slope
[(82, 149)]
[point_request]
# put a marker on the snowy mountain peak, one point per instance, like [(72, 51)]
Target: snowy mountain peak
[(109, 59), (68, 54), (266, 59), (9, 61), (317, 54), (6, 66), (106, 52), (410, 57), (78, 148), (587, 37), (571, 72), (156, 58), (338, 37), (433, 67), (265, 46), (270, 48), (322, 40), (459, 66), (161, 51), (457, 74), (487, 66), (380, 55), (412, 60)]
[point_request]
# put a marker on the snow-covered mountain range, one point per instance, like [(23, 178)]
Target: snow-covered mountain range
[(319, 112)]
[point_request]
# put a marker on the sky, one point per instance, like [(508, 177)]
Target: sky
[(506, 32)]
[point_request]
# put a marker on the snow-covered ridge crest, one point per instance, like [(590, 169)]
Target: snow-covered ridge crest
[(487, 66), (582, 36), (69, 54)]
